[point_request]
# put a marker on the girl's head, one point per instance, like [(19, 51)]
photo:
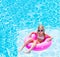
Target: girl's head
[(40, 30)]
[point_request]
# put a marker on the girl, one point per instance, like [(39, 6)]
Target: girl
[(41, 36)]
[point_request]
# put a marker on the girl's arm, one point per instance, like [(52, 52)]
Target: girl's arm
[(48, 39)]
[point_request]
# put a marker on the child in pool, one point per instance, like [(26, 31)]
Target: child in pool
[(39, 39)]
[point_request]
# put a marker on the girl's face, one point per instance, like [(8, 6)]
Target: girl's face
[(40, 31)]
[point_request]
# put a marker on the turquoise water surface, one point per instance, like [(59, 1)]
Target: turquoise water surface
[(18, 18)]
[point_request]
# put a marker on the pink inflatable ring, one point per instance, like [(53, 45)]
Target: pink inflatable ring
[(41, 46)]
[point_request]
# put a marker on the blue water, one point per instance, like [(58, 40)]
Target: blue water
[(18, 18)]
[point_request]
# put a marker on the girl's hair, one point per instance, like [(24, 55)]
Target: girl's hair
[(41, 26)]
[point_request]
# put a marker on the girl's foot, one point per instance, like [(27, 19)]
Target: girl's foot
[(27, 51)]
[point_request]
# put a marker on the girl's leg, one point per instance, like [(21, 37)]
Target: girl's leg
[(33, 45), (25, 43)]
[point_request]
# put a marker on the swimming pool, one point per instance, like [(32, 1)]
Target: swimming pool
[(18, 18)]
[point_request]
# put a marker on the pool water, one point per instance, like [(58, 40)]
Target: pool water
[(18, 18)]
